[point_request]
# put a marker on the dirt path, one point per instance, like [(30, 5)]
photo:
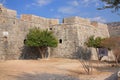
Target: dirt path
[(46, 70)]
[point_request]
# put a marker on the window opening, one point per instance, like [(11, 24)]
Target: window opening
[(60, 41), (50, 28)]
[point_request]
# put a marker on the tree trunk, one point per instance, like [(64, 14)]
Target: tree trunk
[(98, 57), (116, 60), (97, 53), (48, 51), (42, 51), (117, 55)]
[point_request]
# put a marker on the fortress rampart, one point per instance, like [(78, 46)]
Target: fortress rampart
[(72, 34), (77, 20)]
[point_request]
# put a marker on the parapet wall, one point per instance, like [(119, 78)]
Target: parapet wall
[(7, 12), (47, 21), (83, 21), (11, 13), (27, 17), (96, 24), (73, 20), (37, 19)]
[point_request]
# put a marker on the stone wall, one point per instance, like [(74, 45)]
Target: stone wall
[(114, 29), (13, 31), (71, 34), (74, 20)]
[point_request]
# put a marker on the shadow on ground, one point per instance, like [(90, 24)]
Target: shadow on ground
[(107, 68), (44, 76), (112, 77)]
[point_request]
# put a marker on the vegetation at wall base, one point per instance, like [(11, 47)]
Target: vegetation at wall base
[(41, 39), (95, 43)]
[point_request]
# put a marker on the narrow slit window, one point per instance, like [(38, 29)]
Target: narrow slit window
[(13, 22), (24, 41), (50, 28), (60, 41)]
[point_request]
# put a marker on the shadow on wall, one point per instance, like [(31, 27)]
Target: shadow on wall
[(33, 53), (29, 53), (82, 53), (45, 76)]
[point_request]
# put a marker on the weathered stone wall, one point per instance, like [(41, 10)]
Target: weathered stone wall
[(74, 32), (39, 21), (114, 29), (71, 34), (72, 20), (67, 37), (13, 31)]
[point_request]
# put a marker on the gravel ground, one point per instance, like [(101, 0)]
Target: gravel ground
[(53, 69), (45, 76)]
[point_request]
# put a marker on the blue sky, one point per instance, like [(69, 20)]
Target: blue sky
[(63, 8)]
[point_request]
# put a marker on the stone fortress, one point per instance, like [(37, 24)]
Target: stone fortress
[(71, 34)]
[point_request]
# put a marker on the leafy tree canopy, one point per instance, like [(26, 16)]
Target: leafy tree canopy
[(111, 4), (94, 42), (41, 38)]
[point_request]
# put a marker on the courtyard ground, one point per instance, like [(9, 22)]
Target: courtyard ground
[(54, 69)]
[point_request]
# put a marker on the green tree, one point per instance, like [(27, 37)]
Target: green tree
[(42, 39), (111, 4), (95, 43)]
